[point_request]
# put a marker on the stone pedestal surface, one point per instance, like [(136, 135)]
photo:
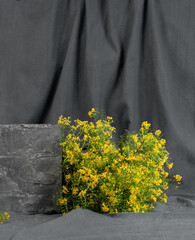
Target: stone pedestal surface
[(30, 157)]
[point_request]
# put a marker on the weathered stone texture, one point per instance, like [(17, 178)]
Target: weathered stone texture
[(30, 157)]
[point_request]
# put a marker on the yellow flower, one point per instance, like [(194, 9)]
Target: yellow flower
[(67, 176), (156, 150), (170, 165), (94, 183), (110, 119), (85, 178), (177, 178), (162, 141), (91, 112), (165, 174), (138, 144), (135, 138), (104, 208), (75, 191), (136, 208), (153, 198), (64, 121), (85, 138), (81, 171), (158, 182), (157, 192), (112, 200), (163, 198), (60, 120), (132, 199), (157, 132), (151, 206), (165, 186), (82, 193), (64, 189), (63, 201), (104, 174), (146, 125)]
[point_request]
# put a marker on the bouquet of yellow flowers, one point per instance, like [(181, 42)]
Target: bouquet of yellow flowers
[(106, 177)]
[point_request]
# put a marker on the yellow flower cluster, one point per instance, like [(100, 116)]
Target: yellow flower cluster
[(177, 178), (4, 216), (107, 178), (157, 132)]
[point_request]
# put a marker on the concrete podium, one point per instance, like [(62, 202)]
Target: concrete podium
[(30, 157)]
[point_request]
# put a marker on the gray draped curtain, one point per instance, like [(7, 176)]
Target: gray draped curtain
[(132, 59)]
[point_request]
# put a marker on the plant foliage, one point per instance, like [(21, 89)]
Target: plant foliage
[(101, 176)]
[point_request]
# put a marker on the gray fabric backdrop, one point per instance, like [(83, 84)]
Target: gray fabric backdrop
[(132, 59)]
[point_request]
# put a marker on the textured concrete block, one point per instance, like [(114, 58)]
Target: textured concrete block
[(30, 157)]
